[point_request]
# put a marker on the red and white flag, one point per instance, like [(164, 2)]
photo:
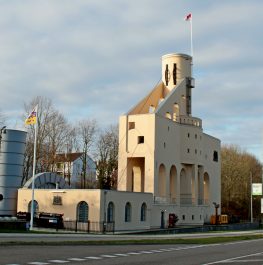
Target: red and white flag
[(188, 17)]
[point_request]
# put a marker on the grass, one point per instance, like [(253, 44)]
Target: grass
[(210, 240)]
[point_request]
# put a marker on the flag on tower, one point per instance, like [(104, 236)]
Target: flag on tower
[(32, 118), (188, 17)]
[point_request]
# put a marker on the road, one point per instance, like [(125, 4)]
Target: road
[(241, 252)]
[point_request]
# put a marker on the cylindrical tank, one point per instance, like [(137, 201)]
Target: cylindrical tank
[(12, 149)]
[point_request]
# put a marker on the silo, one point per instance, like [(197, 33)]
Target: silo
[(12, 149)]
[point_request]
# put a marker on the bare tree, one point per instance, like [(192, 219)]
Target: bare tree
[(50, 136), (86, 138), (2, 119), (107, 164)]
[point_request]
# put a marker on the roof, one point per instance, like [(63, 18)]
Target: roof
[(67, 157)]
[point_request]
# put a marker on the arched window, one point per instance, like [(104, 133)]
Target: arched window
[(110, 212), (127, 212), (82, 212), (35, 207), (143, 212)]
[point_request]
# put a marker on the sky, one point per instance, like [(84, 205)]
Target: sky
[(97, 59)]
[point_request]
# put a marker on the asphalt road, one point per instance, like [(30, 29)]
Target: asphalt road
[(242, 252)]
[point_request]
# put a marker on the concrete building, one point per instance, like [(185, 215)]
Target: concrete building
[(167, 164)]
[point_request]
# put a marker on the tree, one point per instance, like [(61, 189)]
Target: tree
[(2, 119), (86, 137), (107, 165), (51, 136), (236, 168)]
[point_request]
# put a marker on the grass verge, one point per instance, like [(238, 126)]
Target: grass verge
[(210, 240)]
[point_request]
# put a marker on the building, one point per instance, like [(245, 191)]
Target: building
[(70, 166), (167, 164)]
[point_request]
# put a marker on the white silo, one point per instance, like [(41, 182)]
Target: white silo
[(12, 149)]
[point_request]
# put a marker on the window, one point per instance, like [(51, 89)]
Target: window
[(188, 135), (164, 145), (35, 207), (131, 125), (215, 156), (82, 212), (143, 212), (57, 200), (193, 217), (196, 136), (127, 212), (195, 151), (174, 74), (140, 139), (110, 213), (188, 150), (1, 197), (183, 217)]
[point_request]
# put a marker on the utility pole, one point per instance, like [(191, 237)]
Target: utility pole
[(251, 199)]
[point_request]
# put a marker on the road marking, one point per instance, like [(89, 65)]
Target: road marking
[(134, 253), (121, 255), (76, 259), (37, 263), (146, 252), (233, 259), (93, 258), (165, 249), (58, 261), (108, 256), (156, 251)]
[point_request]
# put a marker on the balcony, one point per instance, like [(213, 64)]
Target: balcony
[(188, 120)]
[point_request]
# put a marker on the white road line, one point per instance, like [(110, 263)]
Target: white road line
[(245, 260), (93, 258), (232, 259), (156, 251), (121, 255), (146, 252), (76, 259), (165, 249), (37, 263), (58, 261), (108, 256), (134, 253)]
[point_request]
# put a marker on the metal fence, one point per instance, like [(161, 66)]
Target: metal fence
[(89, 227)]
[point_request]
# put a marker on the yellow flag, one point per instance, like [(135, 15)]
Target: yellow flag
[(32, 118)]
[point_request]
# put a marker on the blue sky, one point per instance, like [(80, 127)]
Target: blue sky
[(96, 59)]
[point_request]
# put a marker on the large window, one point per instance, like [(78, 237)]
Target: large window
[(110, 212), (82, 212), (128, 212), (143, 212)]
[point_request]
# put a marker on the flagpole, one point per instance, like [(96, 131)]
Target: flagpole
[(192, 49), (34, 170)]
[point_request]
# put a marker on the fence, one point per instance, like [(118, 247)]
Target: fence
[(89, 227)]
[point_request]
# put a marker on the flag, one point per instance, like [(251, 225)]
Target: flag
[(188, 17), (32, 118)]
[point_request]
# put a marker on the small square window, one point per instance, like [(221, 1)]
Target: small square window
[(140, 139), (131, 125)]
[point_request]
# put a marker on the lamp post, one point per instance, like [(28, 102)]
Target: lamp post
[(251, 199)]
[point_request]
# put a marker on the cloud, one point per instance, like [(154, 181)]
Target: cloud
[(98, 58)]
